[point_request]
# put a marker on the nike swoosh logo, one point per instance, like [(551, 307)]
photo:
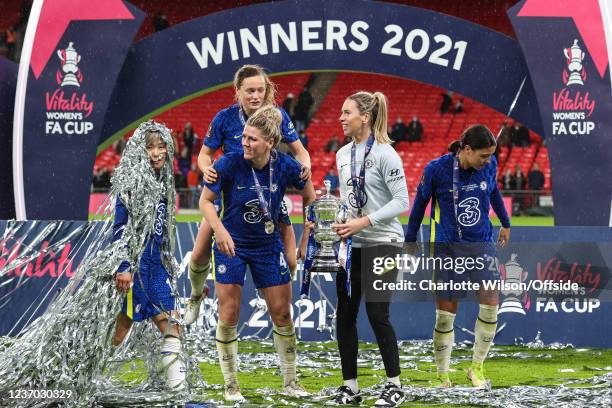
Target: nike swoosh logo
[(241, 187), (344, 165), (237, 136)]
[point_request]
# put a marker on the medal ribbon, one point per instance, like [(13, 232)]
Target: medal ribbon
[(456, 193), (344, 259), (242, 116), (358, 183), (263, 204), (311, 250)]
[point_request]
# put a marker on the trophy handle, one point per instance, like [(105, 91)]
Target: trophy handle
[(343, 214), (309, 213)]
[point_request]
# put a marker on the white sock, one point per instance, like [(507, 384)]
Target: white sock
[(197, 278), (395, 380), (227, 348), (173, 364), (286, 347), (484, 332), (443, 340), (352, 384)]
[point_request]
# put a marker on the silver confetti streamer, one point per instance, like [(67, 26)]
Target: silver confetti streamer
[(69, 346)]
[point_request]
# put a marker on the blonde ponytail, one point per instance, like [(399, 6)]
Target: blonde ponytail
[(379, 121), (376, 105)]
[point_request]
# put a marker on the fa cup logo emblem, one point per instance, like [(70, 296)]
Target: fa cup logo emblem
[(72, 75), (514, 300), (574, 74)]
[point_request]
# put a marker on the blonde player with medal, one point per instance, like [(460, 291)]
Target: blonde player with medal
[(252, 185), (253, 90), (373, 184)]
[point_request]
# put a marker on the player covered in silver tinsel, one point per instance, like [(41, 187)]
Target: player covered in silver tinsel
[(145, 278), (128, 274)]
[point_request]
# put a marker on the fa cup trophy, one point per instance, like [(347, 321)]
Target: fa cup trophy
[(327, 210), (70, 58)]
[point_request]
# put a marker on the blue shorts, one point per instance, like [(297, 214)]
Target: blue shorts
[(283, 216), (150, 294), (473, 262), (267, 263)]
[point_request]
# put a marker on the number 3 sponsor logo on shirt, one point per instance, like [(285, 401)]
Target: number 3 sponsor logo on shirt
[(254, 215), (471, 211)]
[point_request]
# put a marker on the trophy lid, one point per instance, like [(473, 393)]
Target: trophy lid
[(328, 202), (327, 185), (328, 197)]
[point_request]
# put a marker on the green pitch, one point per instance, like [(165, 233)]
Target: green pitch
[(516, 221), (509, 366)]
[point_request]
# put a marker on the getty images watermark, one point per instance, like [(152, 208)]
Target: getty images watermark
[(521, 273), (457, 266)]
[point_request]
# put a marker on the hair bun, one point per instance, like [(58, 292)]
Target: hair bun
[(268, 119)]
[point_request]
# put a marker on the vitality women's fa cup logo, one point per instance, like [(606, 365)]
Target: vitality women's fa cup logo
[(72, 75), (575, 73)]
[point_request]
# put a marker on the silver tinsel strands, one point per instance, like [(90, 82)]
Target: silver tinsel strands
[(69, 347)]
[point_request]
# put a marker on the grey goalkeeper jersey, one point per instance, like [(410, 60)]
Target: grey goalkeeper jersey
[(386, 193)]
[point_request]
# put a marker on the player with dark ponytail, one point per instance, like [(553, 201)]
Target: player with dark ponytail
[(462, 186)]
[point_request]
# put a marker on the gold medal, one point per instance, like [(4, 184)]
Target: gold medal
[(269, 227)]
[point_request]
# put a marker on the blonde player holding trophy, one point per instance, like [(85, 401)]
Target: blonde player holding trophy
[(373, 184)]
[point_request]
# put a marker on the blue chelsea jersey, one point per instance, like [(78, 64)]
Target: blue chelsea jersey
[(152, 252), (225, 130), (477, 192), (240, 212)]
